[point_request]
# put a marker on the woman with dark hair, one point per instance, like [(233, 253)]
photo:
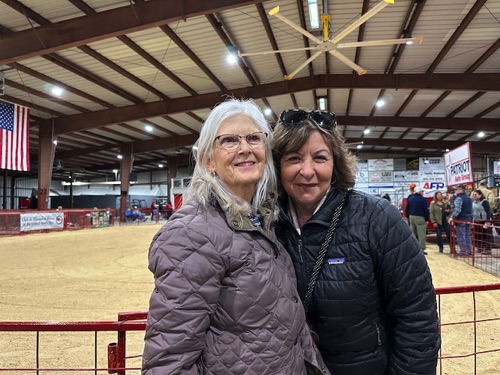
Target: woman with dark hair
[(481, 214), (364, 282), (225, 299)]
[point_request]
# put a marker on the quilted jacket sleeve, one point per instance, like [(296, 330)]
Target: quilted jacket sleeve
[(406, 286), (187, 270)]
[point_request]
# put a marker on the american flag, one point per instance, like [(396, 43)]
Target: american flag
[(14, 137)]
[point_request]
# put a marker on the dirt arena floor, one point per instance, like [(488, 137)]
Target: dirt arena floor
[(91, 275)]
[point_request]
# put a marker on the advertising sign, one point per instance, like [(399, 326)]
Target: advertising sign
[(496, 168), (458, 163), (41, 220), (380, 165)]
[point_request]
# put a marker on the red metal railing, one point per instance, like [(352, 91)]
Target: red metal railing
[(135, 321), (485, 239)]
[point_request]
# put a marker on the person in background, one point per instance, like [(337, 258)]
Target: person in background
[(418, 216), (225, 299), (128, 214), (411, 187), (487, 193), (154, 210), (387, 197), (481, 214), (439, 211), (373, 305), (169, 210), (461, 216), (138, 215)]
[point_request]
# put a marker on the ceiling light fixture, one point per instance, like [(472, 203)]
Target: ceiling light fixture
[(57, 91), (119, 156), (148, 128), (380, 103), (481, 134), (322, 104), (312, 5), (232, 55), (367, 131)]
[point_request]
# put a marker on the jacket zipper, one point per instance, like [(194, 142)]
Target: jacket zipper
[(378, 335)]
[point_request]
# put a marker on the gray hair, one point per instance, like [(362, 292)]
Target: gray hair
[(291, 139), (204, 184)]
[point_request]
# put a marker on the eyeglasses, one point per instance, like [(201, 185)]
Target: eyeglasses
[(324, 119), (231, 142)]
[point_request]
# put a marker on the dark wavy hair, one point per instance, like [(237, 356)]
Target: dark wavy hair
[(291, 138)]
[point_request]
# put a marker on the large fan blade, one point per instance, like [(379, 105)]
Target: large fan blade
[(275, 12), (275, 51), (348, 62), (385, 42), (365, 17), (301, 66)]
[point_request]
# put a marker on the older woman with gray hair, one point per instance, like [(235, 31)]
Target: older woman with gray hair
[(225, 298)]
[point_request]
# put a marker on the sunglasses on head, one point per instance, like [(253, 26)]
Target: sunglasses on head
[(324, 119)]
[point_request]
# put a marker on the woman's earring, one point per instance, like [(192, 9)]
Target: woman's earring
[(213, 173)]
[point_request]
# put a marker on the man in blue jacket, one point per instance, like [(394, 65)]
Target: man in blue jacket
[(462, 214), (417, 209)]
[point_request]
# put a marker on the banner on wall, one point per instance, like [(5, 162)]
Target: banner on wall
[(431, 164), (380, 165), (41, 220), (458, 163), (496, 168)]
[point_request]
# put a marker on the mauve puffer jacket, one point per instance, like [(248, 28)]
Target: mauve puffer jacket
[(225, 300)]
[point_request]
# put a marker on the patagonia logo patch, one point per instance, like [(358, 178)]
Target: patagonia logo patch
[(335, 261)]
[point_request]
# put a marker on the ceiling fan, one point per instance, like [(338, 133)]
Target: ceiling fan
[(332, 46)]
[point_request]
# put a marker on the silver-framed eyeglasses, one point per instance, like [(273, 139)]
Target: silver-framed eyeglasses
[(231, 142)]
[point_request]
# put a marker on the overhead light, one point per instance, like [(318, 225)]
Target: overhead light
[(119, 156), (322, 104), (367, 131), (359, 147), (54, 142), (380, 103), (312, 5), (447, 150), (481, 134), (409, 42), (115, 170), (57, 91), (160, 165), (267, 111), (232, 56), (148, 128)]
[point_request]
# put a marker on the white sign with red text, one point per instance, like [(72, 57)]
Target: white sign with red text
[(458, 163)]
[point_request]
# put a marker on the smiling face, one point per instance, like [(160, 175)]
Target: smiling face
[(239, 170), (306, 174)]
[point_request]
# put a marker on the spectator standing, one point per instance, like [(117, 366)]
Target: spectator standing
[(481, 214), (418, 211), (225, 299), (439, 211), (462, 217), (361, 275), (154, 210), (487, 193)]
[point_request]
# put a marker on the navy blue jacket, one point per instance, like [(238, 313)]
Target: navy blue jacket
[(417, 205), (374, 305)]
